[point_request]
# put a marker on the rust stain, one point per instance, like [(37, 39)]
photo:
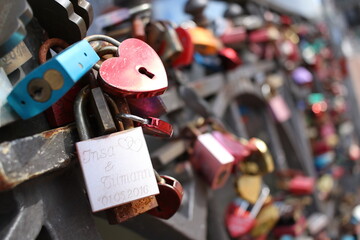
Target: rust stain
[(5, 183), (50, 43), (51, 133)]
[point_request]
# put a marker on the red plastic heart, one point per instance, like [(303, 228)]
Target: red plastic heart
[(137, 72)]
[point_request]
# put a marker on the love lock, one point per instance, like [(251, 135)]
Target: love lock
[(142, 72), (170, 197), (238, 220)]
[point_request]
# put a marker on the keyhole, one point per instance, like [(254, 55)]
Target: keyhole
[(37, 92), (144, 71)]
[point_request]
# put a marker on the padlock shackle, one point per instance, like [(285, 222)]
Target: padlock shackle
[(81, 121), (48, 44), (99, 37), (104, 51), (265, 191)]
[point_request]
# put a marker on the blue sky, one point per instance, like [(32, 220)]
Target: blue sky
[(173, 9)]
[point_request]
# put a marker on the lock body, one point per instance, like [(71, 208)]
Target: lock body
[(49, 82), (279, 108), (212, 160), (237, 149), (204, 41), (237, 219), (301, 185), (186, 56)]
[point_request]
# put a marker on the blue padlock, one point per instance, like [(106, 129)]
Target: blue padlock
[(324, 160), (50, 81)]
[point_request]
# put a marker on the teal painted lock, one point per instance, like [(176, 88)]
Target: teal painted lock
[(50, 81)]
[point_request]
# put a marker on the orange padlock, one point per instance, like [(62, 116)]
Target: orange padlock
[(204, 41)]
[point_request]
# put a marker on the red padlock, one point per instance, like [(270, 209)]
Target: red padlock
[(239, 221), (186, 56), (169, 199), (234, 36), (137, 72), (269, 33), (230, 58), (301, 185)]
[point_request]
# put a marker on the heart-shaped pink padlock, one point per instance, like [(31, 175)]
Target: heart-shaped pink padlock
[(137, 72)]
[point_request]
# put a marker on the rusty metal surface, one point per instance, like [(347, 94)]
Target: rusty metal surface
[(26, 158), (52, 208)]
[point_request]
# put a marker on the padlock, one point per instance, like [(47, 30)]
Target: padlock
[(49, 82), (138, 28), (134, 208), (102, 159), (185, 58), (324, 160), (210, 62), (236, 147), (239, 221), (155, 32), (248, 187), (142, 72), (270, 33), (61, 112), (230, 58), (301, 185), (325, 185), (302, 76), (170, 197), (204, 41), (172, 45), (295, 182), (7, 114), (277, 104), (265, 221), (234, 37), (316, 223), (259, 161), (211, 159)]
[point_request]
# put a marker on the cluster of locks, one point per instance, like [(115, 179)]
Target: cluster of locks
[(100, 94)]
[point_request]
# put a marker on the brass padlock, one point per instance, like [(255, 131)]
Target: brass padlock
[(259, 162)]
